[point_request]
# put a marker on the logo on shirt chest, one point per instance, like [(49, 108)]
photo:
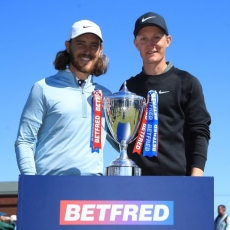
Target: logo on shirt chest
[(161, 92)]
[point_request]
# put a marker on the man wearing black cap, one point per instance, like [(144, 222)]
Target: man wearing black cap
[(180, 142)]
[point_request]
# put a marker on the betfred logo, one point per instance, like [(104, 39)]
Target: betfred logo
[(110, 212)]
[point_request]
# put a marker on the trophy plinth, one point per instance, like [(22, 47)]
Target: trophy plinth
[(123, 113)]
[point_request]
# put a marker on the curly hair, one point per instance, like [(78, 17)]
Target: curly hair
[(62, 60)]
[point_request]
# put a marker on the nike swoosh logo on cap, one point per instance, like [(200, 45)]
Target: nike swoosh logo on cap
[(144, 19), (86, 26), (160, 92)]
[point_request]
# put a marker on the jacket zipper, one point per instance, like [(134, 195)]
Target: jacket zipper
[(84, 104)]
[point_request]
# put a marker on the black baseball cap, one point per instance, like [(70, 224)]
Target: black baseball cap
[(150, 19)]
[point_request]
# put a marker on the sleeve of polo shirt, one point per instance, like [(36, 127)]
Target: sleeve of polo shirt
[(30, 122)]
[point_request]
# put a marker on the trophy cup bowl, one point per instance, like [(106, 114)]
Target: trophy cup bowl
[(123, 113)]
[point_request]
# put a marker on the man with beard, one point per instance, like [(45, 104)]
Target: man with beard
[(55, 130)]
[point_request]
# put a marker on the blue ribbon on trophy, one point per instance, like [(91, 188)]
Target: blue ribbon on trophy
[(151, 135)]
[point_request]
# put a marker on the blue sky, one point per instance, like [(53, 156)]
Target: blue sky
[(32, 32)]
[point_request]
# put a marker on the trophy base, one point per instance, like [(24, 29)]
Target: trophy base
[(123, 171)]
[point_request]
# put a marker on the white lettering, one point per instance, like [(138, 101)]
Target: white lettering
[(97, 129), (97, 103), (72, 212), (130, 210), (86, 211), (127, 213), (146, 209), (115, 211), (158, 208), (103, 208)]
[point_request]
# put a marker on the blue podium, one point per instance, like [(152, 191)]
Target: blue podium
[(115, 202)]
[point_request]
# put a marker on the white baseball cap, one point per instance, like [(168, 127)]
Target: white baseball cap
[(83, 27), (13, 218)]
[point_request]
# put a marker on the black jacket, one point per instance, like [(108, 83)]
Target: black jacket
[(183, 123)]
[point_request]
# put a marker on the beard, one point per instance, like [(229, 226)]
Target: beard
[(88, 69)]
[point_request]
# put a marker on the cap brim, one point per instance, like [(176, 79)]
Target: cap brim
[(147, 24)]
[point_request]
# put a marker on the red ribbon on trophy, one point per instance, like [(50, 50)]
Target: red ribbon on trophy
[(141, 134), (96, 120)]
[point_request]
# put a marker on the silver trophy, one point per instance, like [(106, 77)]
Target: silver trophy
[(123, 113)]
